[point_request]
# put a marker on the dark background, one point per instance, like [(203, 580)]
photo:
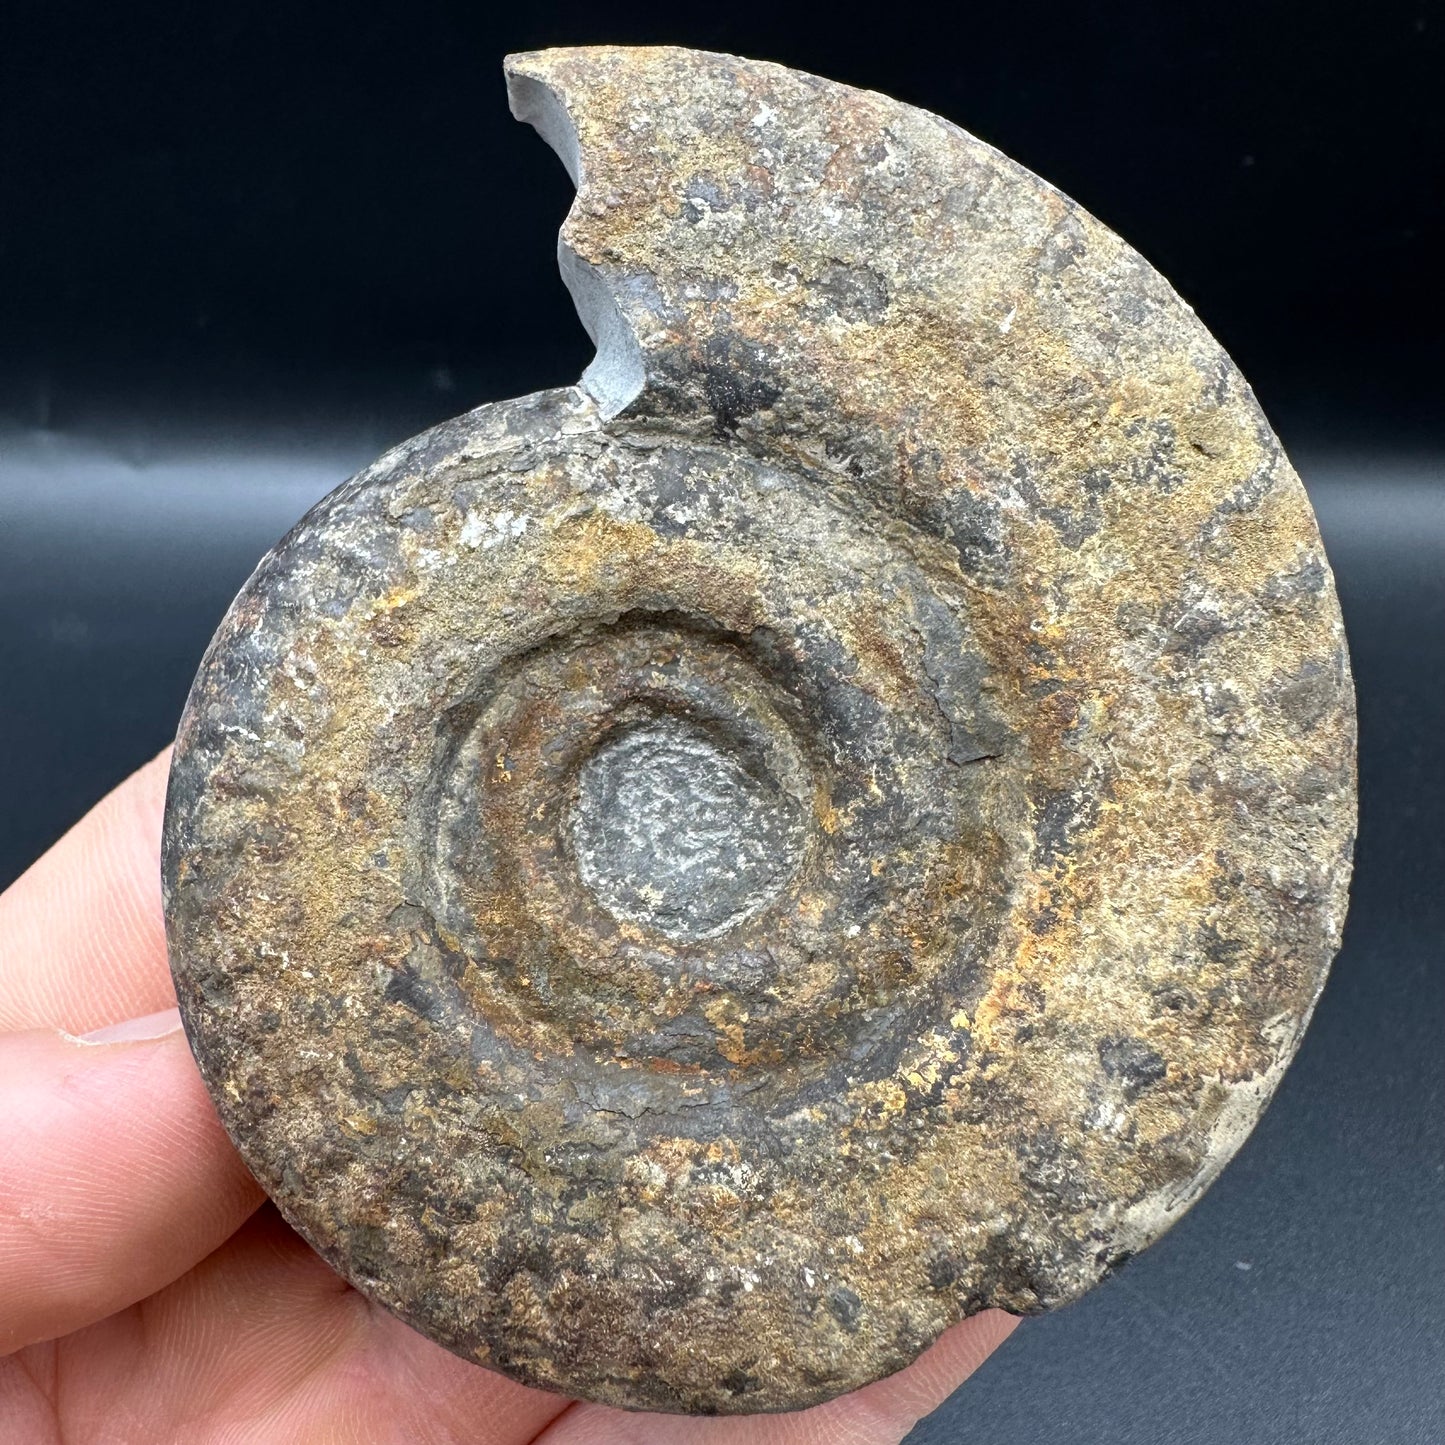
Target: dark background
[(243, 249)]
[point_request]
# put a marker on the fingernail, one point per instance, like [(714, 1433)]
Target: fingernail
[(133, 1031)]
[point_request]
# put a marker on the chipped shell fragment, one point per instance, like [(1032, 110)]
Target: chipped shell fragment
[(684, 886)]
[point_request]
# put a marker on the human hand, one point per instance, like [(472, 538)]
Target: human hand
[(149, 1295)]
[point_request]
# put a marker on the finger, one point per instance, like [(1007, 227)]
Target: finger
[(266, 1338), (879, 1414), (115, 1175), (263, 1343), (81, 936), (892, 1407)]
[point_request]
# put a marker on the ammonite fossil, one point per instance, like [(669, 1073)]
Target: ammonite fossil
[(684, 886)]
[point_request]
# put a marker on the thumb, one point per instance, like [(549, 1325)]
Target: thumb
[(115, 1174)]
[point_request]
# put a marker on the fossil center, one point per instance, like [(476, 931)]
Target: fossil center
[(672, 829)]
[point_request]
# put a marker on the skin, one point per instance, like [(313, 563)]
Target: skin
[(151, 1295)]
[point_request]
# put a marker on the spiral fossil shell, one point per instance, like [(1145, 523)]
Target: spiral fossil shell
[(684, 886)]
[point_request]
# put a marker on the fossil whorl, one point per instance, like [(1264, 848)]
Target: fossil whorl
[(684, 886)]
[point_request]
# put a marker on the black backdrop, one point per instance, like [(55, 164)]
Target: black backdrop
[(244, 248)]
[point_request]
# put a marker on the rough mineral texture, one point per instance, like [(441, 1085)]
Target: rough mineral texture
[(685, 886)]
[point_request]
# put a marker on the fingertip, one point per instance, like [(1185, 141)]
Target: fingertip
[(142, 796), (82, 939), (945, 1365)]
